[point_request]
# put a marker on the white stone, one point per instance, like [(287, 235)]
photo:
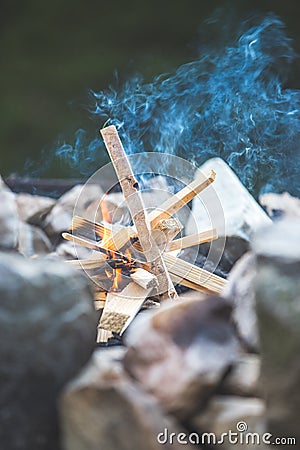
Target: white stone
[(226, 205), (75, 201)]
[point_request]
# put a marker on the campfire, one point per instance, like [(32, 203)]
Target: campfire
[(134, 263)]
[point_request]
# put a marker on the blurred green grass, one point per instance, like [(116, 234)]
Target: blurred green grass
[(53, 52)]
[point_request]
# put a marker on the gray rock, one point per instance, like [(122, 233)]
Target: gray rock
[(68, 250), (243, 379), (47, 332), (226, 205), (278, 299), (280, 205), (9, 219), (75, 201), (104, 408), (181, 353), (33, 208), (230, 413), (32, 240), (241, 292)]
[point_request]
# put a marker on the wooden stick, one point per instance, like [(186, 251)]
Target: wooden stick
[(189, 284), (187, 272), (193, 239), (121, 307), (87, 229), (144, 278), (136, 207), (88, 243), (116, 234), (194, 274), (167, 209), (177, 201), (88, 264), (97, 246)]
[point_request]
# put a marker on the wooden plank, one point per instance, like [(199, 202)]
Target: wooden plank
[(144, 278), (194, 274), (193, 239), (121, 307), (137, 210), (184, 196)]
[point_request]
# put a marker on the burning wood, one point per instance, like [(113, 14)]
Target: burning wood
[(151, 237), (134, 200), (166, 210), (121, 308)]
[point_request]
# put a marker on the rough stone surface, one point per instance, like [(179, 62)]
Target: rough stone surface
[(75, 201), (278, 299), (181, 353), (47, 332), (280, 205), (32, 240), (227, 413), (104, 408), (241, 292), (243, 379), (9, 219), (226, 205), (33, 208)]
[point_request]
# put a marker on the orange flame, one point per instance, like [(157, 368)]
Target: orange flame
[(128, 254), (105, 215), (117, 279)]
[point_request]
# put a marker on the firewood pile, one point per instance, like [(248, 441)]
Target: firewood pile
[(141, 260)]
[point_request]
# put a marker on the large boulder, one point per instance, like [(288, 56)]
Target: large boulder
[(104, 409), (47, 332), (181, 353), (277, 284)]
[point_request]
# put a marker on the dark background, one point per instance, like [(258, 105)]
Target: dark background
[(52, 52)]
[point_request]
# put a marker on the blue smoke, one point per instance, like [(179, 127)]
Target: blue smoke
[(231, 104)]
